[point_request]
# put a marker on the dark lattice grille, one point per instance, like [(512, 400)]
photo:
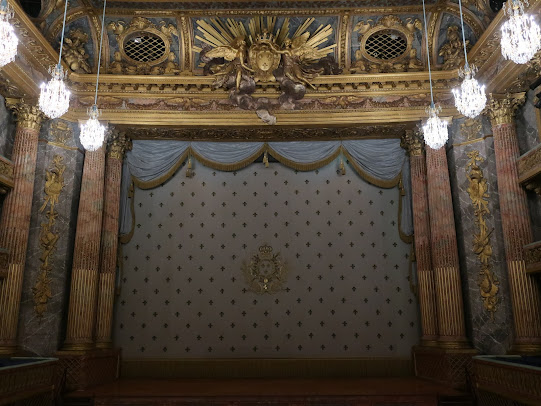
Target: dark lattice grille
[(386, 45), (144, 48)]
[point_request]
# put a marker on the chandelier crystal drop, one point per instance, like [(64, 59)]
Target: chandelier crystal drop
[(54, 98), (470, 98), (521, 36), (92, 132), (435, 129), (8, 39)]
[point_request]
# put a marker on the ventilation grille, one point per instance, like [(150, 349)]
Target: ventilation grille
[(387, 45), (144, 48)]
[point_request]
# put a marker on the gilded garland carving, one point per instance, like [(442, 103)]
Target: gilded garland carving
[(240, 55), (453, 50), (471, 128), (73, 51), (393, 25), (48, 238), (502, 110), (266, 272), (412, 141), (119, 144), (482, 247)]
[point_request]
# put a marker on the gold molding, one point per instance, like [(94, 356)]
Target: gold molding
[(501, 109), (27, 116)]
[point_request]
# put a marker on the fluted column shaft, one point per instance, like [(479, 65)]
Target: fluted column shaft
[(109, 240), (412, 142), (517, 232), (86, 256), (15, 221), (450, 306)]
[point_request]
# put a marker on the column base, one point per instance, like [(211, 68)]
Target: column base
[(429, 342), (104, 345), (443, 365), (78, 347), (8, 350), (84, 369), (525, 349)]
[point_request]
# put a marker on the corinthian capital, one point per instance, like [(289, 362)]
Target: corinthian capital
[(412, 141), (27, 115), (501, 110), (119, 143)]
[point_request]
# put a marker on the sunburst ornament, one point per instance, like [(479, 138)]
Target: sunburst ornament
[(435, 129), (470, 98), (521, 36), (8, 39)]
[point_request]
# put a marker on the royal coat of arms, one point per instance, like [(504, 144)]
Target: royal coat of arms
[(266, 272)]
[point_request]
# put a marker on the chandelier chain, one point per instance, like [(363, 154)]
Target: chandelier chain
[(466, 65), (99, 55), (63, 30), (428, 56)]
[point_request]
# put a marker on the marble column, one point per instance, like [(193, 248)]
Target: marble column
[(412, 142), (449, 302), (86, 256), (517, 232), (15, 220), (109, 238)]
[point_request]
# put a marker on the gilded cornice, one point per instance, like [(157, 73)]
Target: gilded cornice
[(119, 144), (412, 141), (501, 109), (28, 116)]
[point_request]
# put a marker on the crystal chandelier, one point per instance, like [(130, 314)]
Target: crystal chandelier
[(8, 40), (521, 36), (470, 99), (54, 98), (92, 133), (435, 129)]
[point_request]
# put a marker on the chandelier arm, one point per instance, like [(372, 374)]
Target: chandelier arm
[(99, 55), (428, 56), (63, 30), (466, 65)]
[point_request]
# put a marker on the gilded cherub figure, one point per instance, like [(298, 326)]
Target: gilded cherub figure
[(453, 50), (73, 51)]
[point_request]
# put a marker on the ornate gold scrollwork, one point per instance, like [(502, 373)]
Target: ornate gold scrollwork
[(119, 143), (412, 141), (60, 132), (73, 51), (471, 128), (478, 191), (502, 110), (407, 61), (453, 50), (266, 273), (48, 238)]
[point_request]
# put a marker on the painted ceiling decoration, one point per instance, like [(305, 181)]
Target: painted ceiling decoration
[(178, 63)]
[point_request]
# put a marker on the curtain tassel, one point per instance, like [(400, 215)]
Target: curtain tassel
[(266, 159), (189, 170), (342, 167)]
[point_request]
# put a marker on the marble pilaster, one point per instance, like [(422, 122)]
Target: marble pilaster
[(15, 220), (109, 238), (449, 302), (46, 280), (517, 232), (86, 256)]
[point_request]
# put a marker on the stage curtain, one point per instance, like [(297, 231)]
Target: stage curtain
[(381, 162)]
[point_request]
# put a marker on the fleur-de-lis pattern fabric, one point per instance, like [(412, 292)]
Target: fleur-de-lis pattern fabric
[(183, 293)]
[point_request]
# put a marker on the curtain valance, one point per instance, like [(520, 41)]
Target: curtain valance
[(381, 162)]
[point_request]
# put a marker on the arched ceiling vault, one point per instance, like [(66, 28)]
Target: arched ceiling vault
[(175, 89)]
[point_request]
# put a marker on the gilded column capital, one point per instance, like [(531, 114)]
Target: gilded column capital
[(501, 110), (119, 143), (28, 116), (412, 141)]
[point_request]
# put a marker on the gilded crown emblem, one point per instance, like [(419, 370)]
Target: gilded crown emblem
[(266, 272)]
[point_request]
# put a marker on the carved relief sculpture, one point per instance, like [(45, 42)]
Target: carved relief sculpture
[(471, 128), (60, 132), (453, 50), (387, 46), (48, 238), (478, 191), (266, 272), (73, 51)]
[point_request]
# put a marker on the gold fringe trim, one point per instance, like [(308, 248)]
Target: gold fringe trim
[(386, 184), (304, 167), (157, 182), (229, 167)]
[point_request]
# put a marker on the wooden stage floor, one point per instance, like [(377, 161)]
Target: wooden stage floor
[(276, 392)]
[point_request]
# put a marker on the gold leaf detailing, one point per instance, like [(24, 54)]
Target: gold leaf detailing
[(48, 238), (266, 273), (471, 128), (478, 191)]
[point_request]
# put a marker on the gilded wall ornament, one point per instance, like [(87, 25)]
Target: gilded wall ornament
[(412, 141), (48, 238), (502, 110), (471, 128), (386, 46), (266, 272), (73, 51), (478, 190), (60, 132), (453, 50)]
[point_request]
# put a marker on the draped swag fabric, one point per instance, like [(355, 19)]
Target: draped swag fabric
[(381, 162)]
